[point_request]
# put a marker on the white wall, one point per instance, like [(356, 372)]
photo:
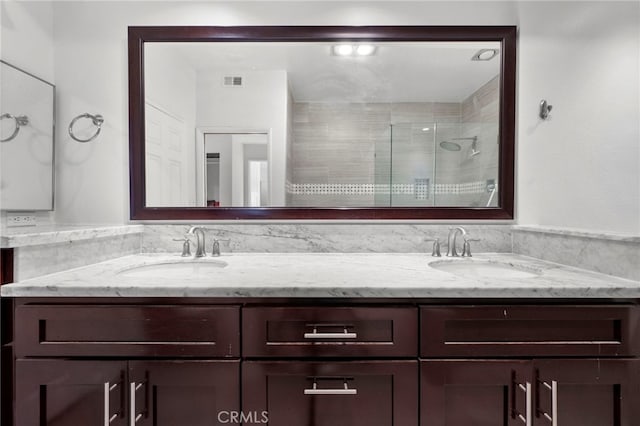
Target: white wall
[(26, 41), (580, 169), (27, 37), (259, 105)]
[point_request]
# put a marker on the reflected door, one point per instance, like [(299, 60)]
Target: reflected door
[(236, 172), (166, 164)]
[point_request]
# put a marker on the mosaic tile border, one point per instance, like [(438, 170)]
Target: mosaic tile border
[(420, 189)]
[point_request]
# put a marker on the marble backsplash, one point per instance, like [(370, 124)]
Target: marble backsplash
[(326, 238), (609, 254), (41, 259), (60, 249)]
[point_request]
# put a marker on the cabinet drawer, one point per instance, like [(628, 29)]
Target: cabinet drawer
[(132, 330), (329, 331), (529, 331), (355, 393)]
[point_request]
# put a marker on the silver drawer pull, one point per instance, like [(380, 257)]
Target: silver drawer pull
[(553, 387), (527, 390), (108, 418), (106, 404), (134, 417), (344, 335), (345, 391)]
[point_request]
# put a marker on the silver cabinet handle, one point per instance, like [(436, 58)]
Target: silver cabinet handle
[(345, 391), (344, 335), (134, 417), (108, 418), (526, 388), (553, 387)]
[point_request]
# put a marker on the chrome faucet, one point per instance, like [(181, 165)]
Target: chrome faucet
[(198, 231), (451, 240)]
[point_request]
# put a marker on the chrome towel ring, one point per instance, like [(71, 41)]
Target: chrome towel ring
[(97, 120), (20, 120)]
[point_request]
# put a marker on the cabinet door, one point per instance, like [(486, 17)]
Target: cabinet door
[(587, 392), (183, 393), (375, 393), (478, 393), (70, 393)]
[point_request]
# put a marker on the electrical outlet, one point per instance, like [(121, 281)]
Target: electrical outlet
[(21, 219)]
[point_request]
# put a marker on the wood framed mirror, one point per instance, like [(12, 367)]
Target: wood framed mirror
[(322, 122)]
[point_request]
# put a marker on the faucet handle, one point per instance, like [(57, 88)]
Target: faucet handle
[(215, 249), (466, 247), (435, 251), (186, 246)]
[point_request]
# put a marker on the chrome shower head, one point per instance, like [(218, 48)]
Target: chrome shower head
[(453, 146), (450, 146)]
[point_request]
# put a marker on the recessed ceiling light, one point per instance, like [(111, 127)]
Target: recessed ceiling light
[(425, 129), (365, 50), (353, 49), (343, 50), (485, 54)]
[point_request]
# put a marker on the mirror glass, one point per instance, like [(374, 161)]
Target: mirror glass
[(322, 124), (26, 140)]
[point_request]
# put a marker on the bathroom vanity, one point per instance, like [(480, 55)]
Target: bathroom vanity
[(430, 348)]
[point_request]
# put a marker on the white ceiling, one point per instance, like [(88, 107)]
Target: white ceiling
[(398, 72)]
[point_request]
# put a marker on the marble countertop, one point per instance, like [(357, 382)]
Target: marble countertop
[(372, 275)]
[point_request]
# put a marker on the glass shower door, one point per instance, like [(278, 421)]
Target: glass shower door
[(412, 164)]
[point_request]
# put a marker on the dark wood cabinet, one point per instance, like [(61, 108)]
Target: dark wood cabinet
[(356, 393), (567, 392), (455, 331), (289, 363), (312, 331), (587, 392), (183, 393), (79, 392), (474, 392), (149, 330), (70, 393), (576, 365)]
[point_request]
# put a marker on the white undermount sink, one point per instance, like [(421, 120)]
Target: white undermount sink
[(480, 269), (179, 269)]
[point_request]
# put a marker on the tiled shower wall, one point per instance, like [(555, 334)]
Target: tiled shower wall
[(342, 154), (480, 117), (342, 144)]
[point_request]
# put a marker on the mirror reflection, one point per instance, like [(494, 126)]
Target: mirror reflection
[(26, 140), (387, 124)]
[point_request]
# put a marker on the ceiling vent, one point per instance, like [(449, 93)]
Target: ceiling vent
[(232, 81)]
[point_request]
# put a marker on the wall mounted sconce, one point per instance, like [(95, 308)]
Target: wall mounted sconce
[(545, 109), (97, 120)]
